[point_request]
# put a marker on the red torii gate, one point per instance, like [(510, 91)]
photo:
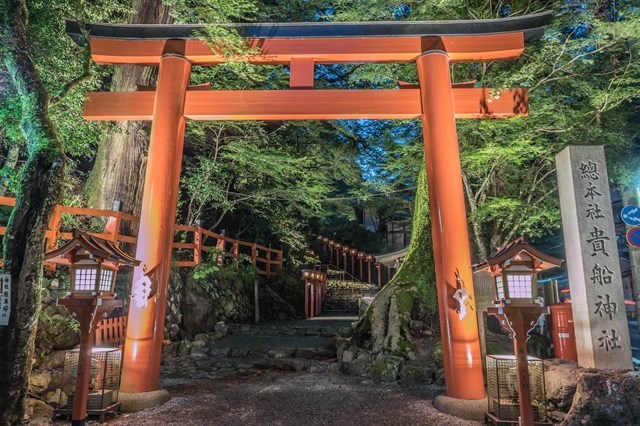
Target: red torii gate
[(432, 45)]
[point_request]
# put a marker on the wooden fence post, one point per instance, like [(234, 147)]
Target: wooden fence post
[(236, 250), (112, 227), (268, 266), (53, 230), (197, 240)]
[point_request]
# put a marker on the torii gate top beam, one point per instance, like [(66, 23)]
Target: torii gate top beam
[(325, 42)]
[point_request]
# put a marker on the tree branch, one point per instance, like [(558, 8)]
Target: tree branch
[(86, 66)]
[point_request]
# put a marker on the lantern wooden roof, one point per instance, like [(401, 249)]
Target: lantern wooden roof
[(96, 248), (542, 261)]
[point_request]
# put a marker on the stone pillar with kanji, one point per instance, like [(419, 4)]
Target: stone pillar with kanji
[(595, 280)]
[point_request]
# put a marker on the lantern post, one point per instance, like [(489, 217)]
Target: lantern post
[(306, 277), (345, 251), (353, 252), (517, 306), (361, 257), (93, 264)]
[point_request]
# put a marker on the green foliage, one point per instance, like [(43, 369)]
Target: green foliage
[(229, 286)]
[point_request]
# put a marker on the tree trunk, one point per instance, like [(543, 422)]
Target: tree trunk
[(411, 292), (119, 169), (39, 190), (10, 162)]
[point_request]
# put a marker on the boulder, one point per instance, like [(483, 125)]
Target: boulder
[(605, 397), (359, 366), (343, 344), (39, 382), (239, 353), (347, 356), (52, 360), (197, 302), (56, 398), (416, 374), (215, 351), (63, 331), (561, 379), (387, 368), (170, 351), (56, 330), (41, 421), (438, 355), (221, 328), (38, 410), (56, 380), (185, 348)]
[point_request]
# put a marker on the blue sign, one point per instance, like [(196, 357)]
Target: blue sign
[(631, 215), (633, 237)]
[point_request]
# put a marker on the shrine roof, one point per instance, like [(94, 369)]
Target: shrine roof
[(512, 249), (98, 247), (530, 25)]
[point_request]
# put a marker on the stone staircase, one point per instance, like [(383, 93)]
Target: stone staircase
[(299, 345), (344, 294)]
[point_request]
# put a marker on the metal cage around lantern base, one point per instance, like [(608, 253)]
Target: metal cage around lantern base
[(104, 384), (502, 390)]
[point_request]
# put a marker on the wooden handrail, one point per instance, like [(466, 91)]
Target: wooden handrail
[(111, 232), (372, 265)]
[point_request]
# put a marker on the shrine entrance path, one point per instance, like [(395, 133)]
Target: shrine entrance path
[(282, 398)]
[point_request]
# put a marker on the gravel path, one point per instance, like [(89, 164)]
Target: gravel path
[(300, 399)]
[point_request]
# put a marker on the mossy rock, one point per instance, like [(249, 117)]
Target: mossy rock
[(417, 374), (387, 368), (438, 354)]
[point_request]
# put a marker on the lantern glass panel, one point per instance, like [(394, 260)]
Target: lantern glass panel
[(520, 286), (499, 287), (106, 280), (84, 279)]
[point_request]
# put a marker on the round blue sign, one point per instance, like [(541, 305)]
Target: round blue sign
[(633, 236), (631, 215)]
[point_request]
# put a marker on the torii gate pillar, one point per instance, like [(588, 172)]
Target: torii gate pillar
[(145, 328), (460, 342)]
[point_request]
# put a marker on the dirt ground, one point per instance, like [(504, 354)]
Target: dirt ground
[(300, 399)]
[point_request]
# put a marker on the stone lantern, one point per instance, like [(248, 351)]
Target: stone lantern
[(514, 269), (94, 263)]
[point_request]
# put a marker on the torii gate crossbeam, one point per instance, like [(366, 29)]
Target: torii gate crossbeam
[(432, 45)]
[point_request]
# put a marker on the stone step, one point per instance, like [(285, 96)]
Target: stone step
[(190, 369), (294, 330)]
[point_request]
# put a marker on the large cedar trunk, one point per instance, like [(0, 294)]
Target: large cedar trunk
[(119, 170), (411, 293), (40, 188)]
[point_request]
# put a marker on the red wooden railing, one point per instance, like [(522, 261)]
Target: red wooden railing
[(111, 332), (363, 266), (267, 260)]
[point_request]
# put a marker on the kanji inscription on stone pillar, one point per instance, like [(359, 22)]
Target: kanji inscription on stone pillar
[(602, 333)]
